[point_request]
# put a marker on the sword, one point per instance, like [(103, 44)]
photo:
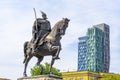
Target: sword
[(35, 18)]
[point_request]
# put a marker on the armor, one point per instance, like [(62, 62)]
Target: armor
[(43, 27)]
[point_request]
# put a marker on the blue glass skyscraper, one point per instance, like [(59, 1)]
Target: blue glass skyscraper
[(106, 45), (82, 51), (94, 49)]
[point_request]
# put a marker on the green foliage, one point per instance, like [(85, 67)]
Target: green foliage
[(35, 70), (111, 77), (56, 72), (44, 70)]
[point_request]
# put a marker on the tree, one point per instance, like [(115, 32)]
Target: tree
[(44, 70)]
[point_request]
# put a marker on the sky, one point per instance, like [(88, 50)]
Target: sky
[(17, 17)]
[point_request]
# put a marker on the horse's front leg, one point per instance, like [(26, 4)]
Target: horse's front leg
[(58, 48), (52, 62)]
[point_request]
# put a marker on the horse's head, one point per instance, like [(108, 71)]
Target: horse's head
[(58, 30), (63, 26)]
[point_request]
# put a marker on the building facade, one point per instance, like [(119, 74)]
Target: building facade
[(106, 46), (94, 49), (82, 53), (88, 75), (81, 75)]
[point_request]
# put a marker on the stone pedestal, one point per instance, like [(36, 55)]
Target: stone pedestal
[(41, 77), (4, 79)]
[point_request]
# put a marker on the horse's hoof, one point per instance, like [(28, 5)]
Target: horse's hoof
[(51, 73), (56, 57), (24, 75)]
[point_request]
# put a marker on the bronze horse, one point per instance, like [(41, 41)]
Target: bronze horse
[(50, 45)]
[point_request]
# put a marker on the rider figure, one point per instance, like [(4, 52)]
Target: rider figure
[(43, 28), (40, 32)]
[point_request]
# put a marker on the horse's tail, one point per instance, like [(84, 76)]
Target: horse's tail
[(25, 49)]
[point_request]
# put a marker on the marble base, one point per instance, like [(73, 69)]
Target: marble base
[(41, 77)]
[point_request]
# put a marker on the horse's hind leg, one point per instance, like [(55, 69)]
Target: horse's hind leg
[(24, 60), (40, 58), (25, 49), (26, 63)]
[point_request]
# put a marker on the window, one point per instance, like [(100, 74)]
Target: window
[(71, 79), (81, 78)]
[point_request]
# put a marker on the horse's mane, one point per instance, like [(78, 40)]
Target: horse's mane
[(54, 29)]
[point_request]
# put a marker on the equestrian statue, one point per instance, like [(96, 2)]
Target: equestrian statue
[(45, 41)]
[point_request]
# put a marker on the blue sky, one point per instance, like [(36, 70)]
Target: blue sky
[(16, 20)]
